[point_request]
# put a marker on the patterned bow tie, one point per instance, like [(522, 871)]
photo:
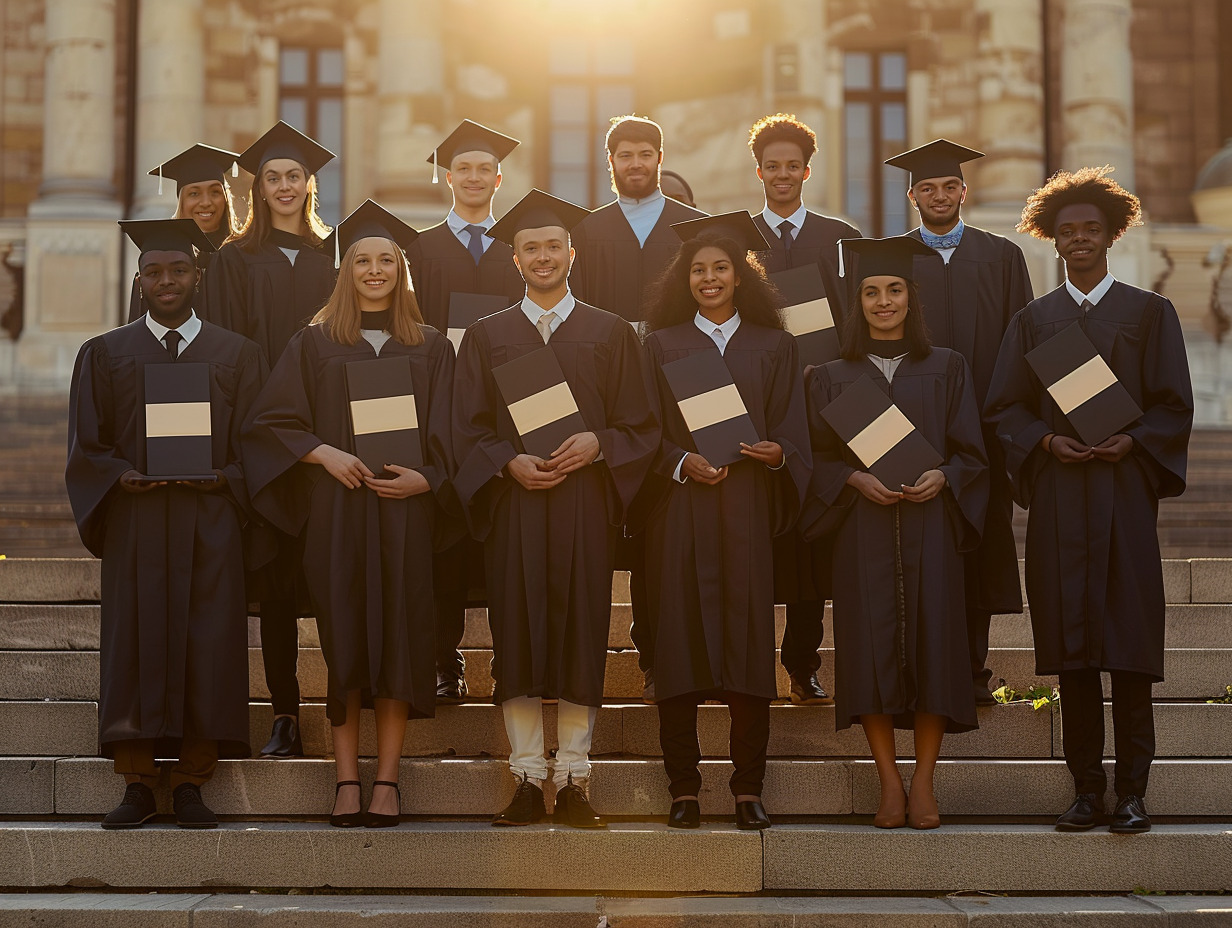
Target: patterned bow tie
[(950, 240)]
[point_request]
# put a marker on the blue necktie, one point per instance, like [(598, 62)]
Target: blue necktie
[(476, 244)]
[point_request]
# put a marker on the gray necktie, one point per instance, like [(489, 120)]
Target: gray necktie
[(719, 339), (544, 325), (476, 244), (1087, 306)]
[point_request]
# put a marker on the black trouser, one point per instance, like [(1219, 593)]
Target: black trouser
[(449, 577), (802, 637), (280, 654), (642, 629), (1133, 730), (750, 736), (978, 624)]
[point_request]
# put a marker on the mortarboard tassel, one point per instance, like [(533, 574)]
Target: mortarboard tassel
[(840, 258), (337, 256), (235, 169), (434, 177)]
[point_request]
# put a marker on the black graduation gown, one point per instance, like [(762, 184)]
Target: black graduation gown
[(887, 660), (174, 627), (1094, 578), (136, 308), (367, 560), (708, 548), (967, 306), (441, 265), (801, 569), (611, 270), (549, 552), (267, 298)]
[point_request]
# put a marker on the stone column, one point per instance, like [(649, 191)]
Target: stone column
[(410, 107), (813, 100), (73, 244), (1010, 125), (1097, 88), (170, 96)]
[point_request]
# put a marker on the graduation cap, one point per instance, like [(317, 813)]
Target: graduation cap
[(535, 211), (807, 314), (285, 141), (465, 309), (1082, 385), (737, 225), (470, 136), (940, 158), (180, 235), (368, 220), (196, 165), (878, 257), (540, 403), (880, 435), (384, 420), (711, 406), (178, 441)]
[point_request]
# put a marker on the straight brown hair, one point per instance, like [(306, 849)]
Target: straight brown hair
[(342, 311)]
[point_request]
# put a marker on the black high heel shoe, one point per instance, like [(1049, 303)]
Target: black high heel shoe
[(348, 819), (376, 819)]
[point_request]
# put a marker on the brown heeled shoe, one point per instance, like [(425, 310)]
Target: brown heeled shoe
[(923, 814), (892, 817)]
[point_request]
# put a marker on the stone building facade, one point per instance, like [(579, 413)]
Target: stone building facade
[(98, 91)]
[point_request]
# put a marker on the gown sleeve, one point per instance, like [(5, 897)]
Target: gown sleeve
[(278, 432), (787, 424), (829, 499), (1161, 435), (251, 375), (631, 438), (966, 463), (1012, 408), (225, 300)]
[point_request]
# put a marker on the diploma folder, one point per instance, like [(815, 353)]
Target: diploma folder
[(384, 419), (712, 406), (539, 400), (465, 309), (178, 441), (807, 315), (880, 435), (1082, 385)]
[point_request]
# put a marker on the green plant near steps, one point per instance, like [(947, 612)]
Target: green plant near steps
[(1040, 697), (1225, 698)]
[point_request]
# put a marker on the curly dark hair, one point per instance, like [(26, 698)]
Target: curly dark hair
[(781, 127), (1087, 185), (672, 301), (856, 342)]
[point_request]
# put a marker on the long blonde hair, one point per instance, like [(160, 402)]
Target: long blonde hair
[(259, 222), (342, 311), (229, 221)]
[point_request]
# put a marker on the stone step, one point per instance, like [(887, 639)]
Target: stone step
[(48, 580), (199, 910), (623, 787), (74, 627), (1183, 730), (1191, 673), (624, 858)]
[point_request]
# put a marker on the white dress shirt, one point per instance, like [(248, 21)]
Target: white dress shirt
[(457, 225), (721, 335), (643, 214), (188, 330), (774, 220), (1097, 292), (562, 309)]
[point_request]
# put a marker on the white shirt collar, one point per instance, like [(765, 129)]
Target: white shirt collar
[(728, 329), (1097, 292), (631, 202), (458, 224), (562, 309), (188, 330), (774, 220)]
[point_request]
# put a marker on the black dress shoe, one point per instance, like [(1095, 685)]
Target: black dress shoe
[(1086, 812), (284, 739), (983, 695), (379, 819), (1130, 817), (573, 808), (135, 809), (751, 816), (347, 819), (190, 810), (685, 813), (807, 691), (450, 689), (525, 808)]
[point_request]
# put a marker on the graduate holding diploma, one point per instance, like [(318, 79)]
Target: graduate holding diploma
[(366, 378), (894, 406)]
